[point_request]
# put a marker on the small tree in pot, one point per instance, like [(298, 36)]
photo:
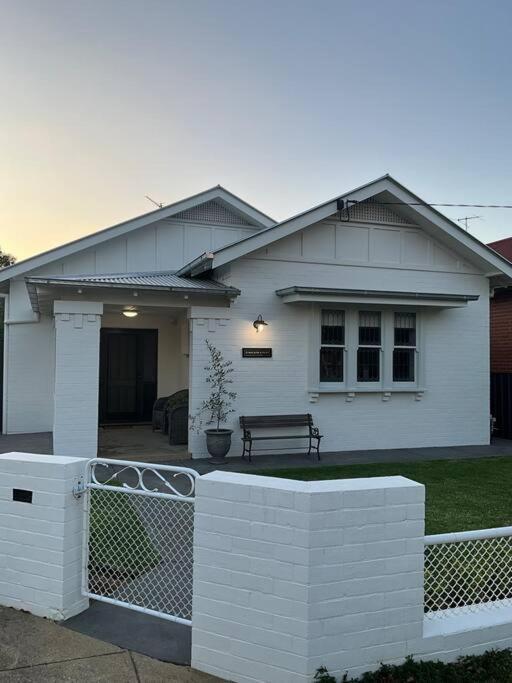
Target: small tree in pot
[(217, 406)]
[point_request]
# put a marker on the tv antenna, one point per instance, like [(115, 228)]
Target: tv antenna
[(468, 218), (160, 204)]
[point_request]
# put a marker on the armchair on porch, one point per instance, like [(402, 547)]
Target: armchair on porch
[(159, 418), (177, 417)]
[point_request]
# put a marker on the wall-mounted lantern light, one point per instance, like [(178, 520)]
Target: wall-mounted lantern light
[(259, 323), (131, 313)]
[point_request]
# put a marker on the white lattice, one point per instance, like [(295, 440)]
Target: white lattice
[(473, 572), (370, 211), (140, 537), (212, 212)]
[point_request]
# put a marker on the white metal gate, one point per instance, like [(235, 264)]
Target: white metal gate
[(139, 537)]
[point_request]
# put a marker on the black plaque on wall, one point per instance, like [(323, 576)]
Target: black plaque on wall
[(256, 353)]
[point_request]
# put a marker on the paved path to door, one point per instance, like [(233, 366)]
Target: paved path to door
[(34, 650)]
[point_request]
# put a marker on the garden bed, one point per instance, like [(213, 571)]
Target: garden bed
[(491, 667)]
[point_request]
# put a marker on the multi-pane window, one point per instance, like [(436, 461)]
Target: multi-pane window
[(369, 349), (404, 350), (332, 346)]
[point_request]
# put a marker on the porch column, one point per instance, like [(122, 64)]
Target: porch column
[(205, 323), (77, 359)]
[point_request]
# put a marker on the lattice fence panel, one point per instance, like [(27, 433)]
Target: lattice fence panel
[(141, 550), (470, 574), (212, 212)]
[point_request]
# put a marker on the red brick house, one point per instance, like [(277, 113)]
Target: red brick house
[(501, 317), (501, 349)]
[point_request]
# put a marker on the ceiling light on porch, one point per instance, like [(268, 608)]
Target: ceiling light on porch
[(131, 313), (259, 323)]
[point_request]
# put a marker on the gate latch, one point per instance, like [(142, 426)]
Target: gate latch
[(79, 488)]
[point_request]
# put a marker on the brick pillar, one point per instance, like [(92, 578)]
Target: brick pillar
[(77, 355), (41, 535), (290, 576), (213, 324)]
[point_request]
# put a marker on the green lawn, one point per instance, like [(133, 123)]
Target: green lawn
[(460, 494)]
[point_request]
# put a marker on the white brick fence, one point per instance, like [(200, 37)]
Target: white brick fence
[(291, 575), (41, 532), (288, 575)]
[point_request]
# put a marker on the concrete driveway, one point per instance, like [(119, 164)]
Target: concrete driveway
[(35, 649)]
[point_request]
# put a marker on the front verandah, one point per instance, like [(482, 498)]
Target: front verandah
[(84, 306), (110, 369), (92, 378), (138, 443)]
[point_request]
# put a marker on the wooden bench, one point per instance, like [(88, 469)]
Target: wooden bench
[(250, 422)]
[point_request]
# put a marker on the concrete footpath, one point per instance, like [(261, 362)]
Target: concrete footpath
[(35, 649)]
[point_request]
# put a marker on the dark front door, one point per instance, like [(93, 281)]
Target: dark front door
[(128, 366)]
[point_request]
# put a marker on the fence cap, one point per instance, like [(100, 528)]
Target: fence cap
[(323, 486), (15, 456)]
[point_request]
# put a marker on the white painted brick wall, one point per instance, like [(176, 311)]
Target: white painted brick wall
[(455, 348), (453, 411), (77, 351), (41, 542), (30, 365), (290, 576)]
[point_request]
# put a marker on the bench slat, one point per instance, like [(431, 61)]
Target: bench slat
[(271, 437), (259, 421)]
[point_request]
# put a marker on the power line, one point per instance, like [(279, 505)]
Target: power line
[(466, 206)]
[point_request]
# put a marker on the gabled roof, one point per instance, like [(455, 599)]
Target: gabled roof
[(388, 190), (218, 194)]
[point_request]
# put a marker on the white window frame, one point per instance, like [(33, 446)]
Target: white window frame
[(387, 346), (414, 384), (377, 384), (343, 346)]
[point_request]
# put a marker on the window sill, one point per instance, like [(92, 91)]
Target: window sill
[(351, 393)]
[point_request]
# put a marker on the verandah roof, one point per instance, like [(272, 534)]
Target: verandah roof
[(164, 281)]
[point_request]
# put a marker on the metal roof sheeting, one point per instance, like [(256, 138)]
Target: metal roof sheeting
[(157, 280)]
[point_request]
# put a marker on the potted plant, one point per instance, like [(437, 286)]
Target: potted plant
[(217, 406)]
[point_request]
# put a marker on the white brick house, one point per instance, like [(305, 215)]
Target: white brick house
[(377, 309)]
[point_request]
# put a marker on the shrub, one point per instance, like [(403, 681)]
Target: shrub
[(494, 666)]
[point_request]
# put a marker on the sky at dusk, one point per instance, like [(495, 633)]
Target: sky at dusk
[(286, 103)]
